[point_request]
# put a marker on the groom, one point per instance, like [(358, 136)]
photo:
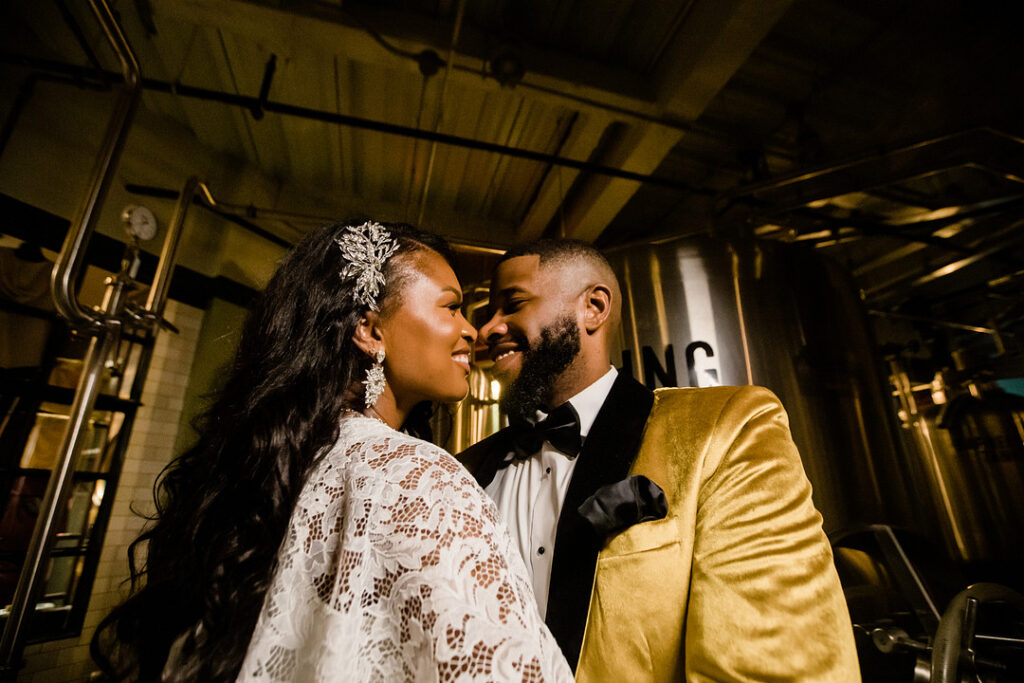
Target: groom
[(670, 535)]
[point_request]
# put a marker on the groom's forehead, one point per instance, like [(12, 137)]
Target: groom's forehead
[(526, 273)]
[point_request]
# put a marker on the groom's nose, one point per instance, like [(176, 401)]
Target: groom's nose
[(493, 329)]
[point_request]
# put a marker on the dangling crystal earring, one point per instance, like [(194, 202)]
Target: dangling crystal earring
[(375, 381)]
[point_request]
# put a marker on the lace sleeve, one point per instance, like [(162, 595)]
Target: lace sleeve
[(396, 567), (471, 591)]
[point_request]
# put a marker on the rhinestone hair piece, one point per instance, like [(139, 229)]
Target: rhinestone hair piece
[(366, 248)]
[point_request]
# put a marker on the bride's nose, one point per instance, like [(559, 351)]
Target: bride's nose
[(468, 331)]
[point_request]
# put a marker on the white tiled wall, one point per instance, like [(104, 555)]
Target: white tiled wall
[(150, 448)]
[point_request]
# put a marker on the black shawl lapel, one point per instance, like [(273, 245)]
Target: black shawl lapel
[(608, 452), (482, 458)]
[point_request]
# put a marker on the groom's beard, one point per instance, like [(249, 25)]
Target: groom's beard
[(543, 363)]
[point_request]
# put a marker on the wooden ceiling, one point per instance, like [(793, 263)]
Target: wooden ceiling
[(884, 132)]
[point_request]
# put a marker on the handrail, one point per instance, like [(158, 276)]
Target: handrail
[(72, 255), (162, 278), (104, 325)]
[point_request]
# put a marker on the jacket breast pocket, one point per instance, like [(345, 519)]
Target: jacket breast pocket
[(643, 537), (638, 607)]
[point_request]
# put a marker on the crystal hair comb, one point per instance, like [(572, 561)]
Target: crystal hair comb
[(366, 248)]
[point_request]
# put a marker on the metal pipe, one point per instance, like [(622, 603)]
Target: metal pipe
[(51, 508), (162, 278), (933, 322), (105, 326), (238, 211), (247, 102), (72, 254), (879, 168), (76, 31), (102, 345), (960, 264), (440, 109), (955, 633), (268, 78), (25, 92)]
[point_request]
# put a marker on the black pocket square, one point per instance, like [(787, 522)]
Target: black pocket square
[(620, 505)]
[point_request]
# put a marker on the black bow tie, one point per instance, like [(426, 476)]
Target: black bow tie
[(561, 429)]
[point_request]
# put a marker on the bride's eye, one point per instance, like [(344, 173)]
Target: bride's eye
[(454, 308)]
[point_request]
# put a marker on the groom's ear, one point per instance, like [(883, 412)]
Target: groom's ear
[(597, 301), (367, 335)]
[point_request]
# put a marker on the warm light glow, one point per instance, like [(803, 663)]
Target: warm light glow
[(812, 235), (659, 299), (708, 378), (97, 493), (938, 388), (700, 315), (936, 215), (495, 389)]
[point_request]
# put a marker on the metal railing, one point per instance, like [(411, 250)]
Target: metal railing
[(104, 324)]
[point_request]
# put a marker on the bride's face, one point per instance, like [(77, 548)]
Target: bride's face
[(427, 338)]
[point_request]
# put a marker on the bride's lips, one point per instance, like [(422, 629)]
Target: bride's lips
[(461, 358)]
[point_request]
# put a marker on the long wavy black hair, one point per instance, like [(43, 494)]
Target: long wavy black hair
[(222, 507)]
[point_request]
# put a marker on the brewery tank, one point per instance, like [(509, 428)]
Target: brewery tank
[(705, 311)]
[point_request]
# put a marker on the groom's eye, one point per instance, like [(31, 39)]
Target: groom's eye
[(513, 305)]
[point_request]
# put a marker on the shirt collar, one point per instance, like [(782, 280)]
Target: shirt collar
[(588, 402)]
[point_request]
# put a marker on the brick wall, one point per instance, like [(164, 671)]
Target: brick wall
[(150, 448)]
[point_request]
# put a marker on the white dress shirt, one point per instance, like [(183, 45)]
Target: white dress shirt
[(529, 493)]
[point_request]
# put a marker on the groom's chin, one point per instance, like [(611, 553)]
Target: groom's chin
[(520, 400)]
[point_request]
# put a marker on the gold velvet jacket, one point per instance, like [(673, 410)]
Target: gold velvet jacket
[(735, 583)]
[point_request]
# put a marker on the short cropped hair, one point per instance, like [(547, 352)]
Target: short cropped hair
[(558, 250)]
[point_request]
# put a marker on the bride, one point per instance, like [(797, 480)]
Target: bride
[(305, 537)]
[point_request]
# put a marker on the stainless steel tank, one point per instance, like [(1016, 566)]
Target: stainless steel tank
[(969, 438), (706, 311)]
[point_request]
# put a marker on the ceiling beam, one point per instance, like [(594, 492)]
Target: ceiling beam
[(717, 37), (993, 150), (553, 77), (582, 140)]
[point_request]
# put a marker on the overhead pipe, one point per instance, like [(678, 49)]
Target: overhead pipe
[(892, 315), (238, 213), (459, 12), (268, 78), (979, 146), (250, 103), (232, 213), (69, 262), (995, 253)]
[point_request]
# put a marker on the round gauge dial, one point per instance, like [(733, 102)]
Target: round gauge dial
[(139, 222)]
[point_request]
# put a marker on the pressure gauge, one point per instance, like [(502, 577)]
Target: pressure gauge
[(139, 222)]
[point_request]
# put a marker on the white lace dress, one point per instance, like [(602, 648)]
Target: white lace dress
[(395, 567)]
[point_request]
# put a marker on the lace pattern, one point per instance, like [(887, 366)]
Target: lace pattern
[(396, 567)]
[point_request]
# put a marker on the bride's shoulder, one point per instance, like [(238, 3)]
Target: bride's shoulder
[(374, 443)]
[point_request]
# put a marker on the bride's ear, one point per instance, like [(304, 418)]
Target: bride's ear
[(368, 335)]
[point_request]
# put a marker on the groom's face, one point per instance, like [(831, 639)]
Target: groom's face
[(533, 334)]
